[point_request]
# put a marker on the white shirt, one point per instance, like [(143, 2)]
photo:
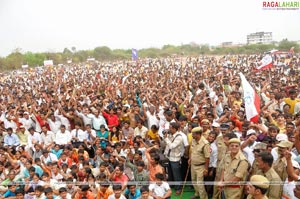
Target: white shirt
[(248, 152), (80, 134), (63, 120), (88, 137), (69, 196), (175, 145), (140, 131), (54, 126), (27, 123), (288, 190), (51, 158), (63, 138), (35, 137), (152, 119), (112, 196), (97, 121), (185, 142), (10, 124), (159, 190), (213, 155), (48, 138), (85, 118)]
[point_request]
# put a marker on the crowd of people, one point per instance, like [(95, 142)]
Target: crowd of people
[(150, 128)]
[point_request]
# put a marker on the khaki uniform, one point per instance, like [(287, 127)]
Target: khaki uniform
[(274, 191), (251, 197), (205, 134), (280, 167), (199, 152), (236, 167), (255, 169), (222, 149)]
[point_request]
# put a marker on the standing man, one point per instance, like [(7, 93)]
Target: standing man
[(280, 164), (235, 169), (174, 142), (199, 160), (264, 162)]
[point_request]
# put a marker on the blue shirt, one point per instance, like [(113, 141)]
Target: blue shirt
[(11, 140), (57, 153), (135, 196), (8, 193), (38, 170)]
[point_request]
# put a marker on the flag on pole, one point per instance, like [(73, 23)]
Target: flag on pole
[(134, 54), (251, 99), (265, 63)]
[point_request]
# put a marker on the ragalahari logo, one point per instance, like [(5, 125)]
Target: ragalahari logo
[(281, 5)]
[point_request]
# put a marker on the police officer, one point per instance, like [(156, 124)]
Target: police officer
[(280, 164), (258, 148), (235, 169), (264, 163), (199, 160), (258, 187), (222, 149)]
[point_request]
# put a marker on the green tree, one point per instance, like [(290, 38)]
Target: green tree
[(285, 44), (102, 53)]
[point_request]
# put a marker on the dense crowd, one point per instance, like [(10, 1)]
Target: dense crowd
[(149, 129)]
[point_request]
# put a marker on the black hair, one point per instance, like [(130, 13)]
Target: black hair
[(230, 135), (62, 190), (262, 190), (117, 186), (159, 176), (175, 125), (144, 189), (40, 188), (48, 190), (266, 157)]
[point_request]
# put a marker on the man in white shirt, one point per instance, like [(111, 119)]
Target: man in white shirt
[(160, 189), (90, 135), (54, 123), (63, 120), (63, 136), (117, 188), (78, 136), (9, 123), (248, 145), (140, 130), (33, 138), (174, 142), (48, 137), (151, 117), (84, 116), (26, 121), (97, 120), (48, 157)]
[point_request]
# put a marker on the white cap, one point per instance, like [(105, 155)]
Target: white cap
[(295, 164), (26, 113), (215, 124), (281, 137), (251, 131)]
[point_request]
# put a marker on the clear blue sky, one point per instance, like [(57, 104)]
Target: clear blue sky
[(52, 25)]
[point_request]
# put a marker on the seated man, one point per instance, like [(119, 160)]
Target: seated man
[(160, 189), (117, 189)]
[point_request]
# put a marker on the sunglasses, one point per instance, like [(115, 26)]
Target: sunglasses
[(256, 151)]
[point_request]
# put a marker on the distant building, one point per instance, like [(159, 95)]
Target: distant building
[(259, 38), (227, 44)]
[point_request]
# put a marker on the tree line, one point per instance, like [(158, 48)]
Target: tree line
[(103, 53)]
